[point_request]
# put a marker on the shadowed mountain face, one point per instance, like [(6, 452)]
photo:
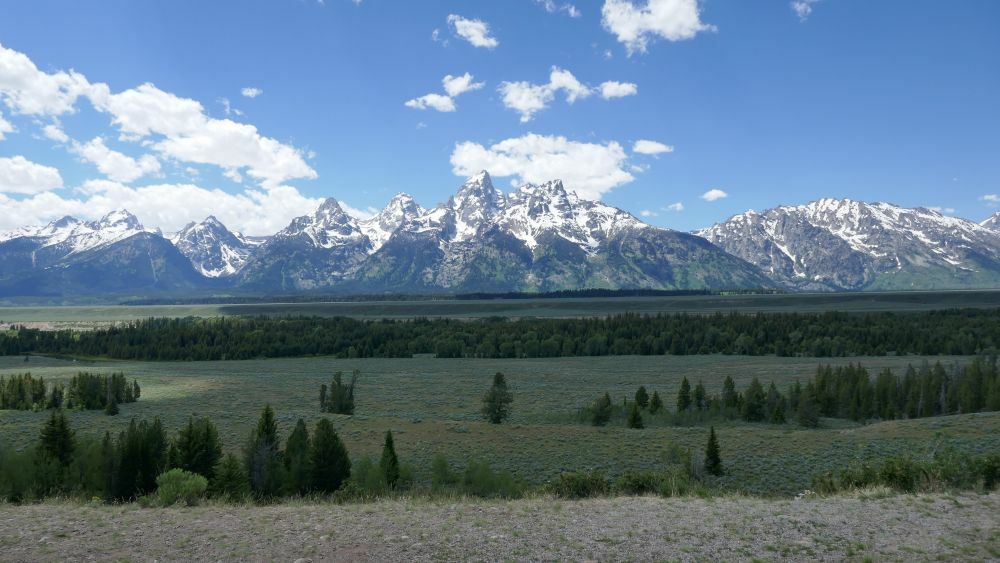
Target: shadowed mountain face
[(834, 244)]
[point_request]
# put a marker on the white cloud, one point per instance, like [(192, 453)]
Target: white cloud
[(175, 127), (645, 146), (636, 25), (19, 175), (944, 210), (803, 8), (54, 132), (115, 165), (251, 92), (590, 169), (675, 207), (458, 85), (228, 108), (714, 194), (527, 98), (5, 127), (612, 89), (29, 91), (648, 213), (438, 102), (476, 32), (552, 7), (166, 206), (453, 86), (990, 198)]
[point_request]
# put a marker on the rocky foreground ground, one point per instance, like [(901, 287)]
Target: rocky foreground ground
[(903, 528)]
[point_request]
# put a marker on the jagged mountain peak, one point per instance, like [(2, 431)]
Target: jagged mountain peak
[(119, 218), (212, 248), (992, 222), (400, 210)]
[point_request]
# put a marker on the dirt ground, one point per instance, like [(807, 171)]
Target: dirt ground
[(894, 528)]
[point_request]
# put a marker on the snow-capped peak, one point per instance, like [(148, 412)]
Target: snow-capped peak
[(476, 204), (380, 227), (327, 227), (213, 249)]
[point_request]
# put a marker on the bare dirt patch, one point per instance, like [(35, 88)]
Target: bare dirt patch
[(903, 528)]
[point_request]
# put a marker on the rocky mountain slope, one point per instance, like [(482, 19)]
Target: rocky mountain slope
[(837, 244)]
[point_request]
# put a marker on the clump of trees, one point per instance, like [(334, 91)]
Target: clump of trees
[(497, 401), (339, 397), (951, 332), (89, 391), (846, 392)]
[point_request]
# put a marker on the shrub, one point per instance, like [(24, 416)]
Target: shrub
[(480, 480), (579, 484), (179, 486), (638, 483)]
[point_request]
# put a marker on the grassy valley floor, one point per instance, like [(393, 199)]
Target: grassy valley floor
[(894, 528)]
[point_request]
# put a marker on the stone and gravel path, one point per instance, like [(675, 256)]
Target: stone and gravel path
[(897, 528)]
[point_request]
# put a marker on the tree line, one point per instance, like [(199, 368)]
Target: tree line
[(848, 392), (952, 332), (85, 391)]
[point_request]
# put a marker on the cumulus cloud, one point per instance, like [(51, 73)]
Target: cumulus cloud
[(528, 99), (552, 7), (54, 132), (176, 127), (116, 165), (166, 206), (251, 92), (612, 89), (589, 169), (676, 207), (990, 198), (803, 8), (19, 175), (648, 213), (453, 86), (636, 26), (714, 194), (476, 32), (645, 146), (5, 127)]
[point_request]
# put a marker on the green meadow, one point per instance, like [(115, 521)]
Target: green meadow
[(432, 406)]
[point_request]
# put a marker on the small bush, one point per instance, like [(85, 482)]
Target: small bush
[(480, 480), (579, 484), (638, 483), (179, 486)]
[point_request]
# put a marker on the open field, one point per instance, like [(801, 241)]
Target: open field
[(432, 406), (574, 307), (897, 528)]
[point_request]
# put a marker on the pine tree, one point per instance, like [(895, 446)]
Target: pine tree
[(262, 456), (112, 408), (602, 411), (197, 448), (754, 402), (230, 479), (496, 402), (296, 458), (642, 397), (656, 404), (713, 456), (730, 400), (389, 464), (808, 411), (330, 464), (684, 396), (57, 439), (635, 417), (700, 397), (322, 398)]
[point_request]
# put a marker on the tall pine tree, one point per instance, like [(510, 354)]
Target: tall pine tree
[(496, 402), (389, 464), (329, 462), (713, 455), (684, 396)]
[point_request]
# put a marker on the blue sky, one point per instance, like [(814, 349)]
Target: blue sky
[(891, 100)]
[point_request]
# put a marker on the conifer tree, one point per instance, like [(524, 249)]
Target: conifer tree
[(496, 402), (602, 411), (642, 397), (262, 456), (322, 398), (57, 439), (112, 408), (684, 396), (730, 399), (713, 456), (635, 417), (296, 458), (700, 397), (329, 462), (656, 404), (230, 479), (808, 411), (389, 464), (754, 402), (197, 448)]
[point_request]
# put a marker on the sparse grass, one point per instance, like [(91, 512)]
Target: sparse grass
[(432, 405)]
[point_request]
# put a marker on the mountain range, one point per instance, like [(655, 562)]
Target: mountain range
[(538, 238)]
